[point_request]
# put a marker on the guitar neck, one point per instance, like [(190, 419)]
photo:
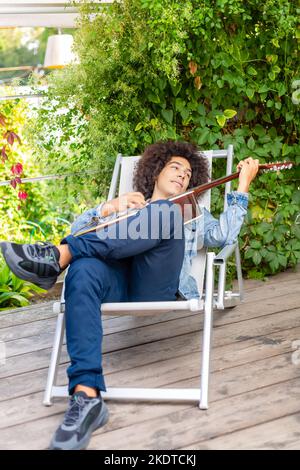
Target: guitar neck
[(190, 196), (217, 182)]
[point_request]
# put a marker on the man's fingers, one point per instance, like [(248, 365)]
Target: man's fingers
[(248, 162)]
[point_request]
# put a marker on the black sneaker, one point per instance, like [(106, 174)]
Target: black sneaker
[(83, 416), (36, 263)]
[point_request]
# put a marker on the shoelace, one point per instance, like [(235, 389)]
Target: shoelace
[(75, 409), (41, 250)]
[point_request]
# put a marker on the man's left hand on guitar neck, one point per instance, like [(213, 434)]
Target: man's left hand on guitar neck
[(248, 169)]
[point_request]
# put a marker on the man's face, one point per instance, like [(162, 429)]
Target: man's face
[(174, 177)]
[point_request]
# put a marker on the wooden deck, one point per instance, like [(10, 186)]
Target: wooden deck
[(255, 387)]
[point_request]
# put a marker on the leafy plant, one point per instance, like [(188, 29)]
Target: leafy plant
[(13, 291), (40, 217)]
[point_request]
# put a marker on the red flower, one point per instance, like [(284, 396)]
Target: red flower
[(22, 195), (17, 169)]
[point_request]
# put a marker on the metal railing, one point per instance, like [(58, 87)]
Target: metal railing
[(47, 177)]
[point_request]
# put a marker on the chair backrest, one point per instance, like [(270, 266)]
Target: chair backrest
[(123, 179)]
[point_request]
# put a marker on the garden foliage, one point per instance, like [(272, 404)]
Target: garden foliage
[(215, 72)]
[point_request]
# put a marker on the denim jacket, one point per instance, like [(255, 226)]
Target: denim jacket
[(203, 231)]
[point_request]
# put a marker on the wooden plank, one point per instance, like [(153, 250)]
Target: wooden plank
[(37, 311), (230, 355), (33, 312), (26, 315), (186, 342), (278, 434), (289, 274), (183, 426), (267, 357), (177, 327), (267, 291), (167, 426), (225, 383), (111, 325), (111, 342)]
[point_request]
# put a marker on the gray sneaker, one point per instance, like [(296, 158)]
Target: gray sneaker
[(83, 416), (37, 263)]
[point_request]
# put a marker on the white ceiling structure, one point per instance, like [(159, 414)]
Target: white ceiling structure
[(34, 13)]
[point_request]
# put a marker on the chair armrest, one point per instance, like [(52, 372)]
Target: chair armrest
[(224, 254)]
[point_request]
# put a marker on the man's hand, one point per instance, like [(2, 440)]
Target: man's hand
[(133, 200), (248, 169)]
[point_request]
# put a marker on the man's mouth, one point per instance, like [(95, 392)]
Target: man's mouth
[(178, 184)]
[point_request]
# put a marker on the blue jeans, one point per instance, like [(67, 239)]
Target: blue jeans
[(116, 269)]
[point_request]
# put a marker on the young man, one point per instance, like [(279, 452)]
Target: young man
[(116, 265)]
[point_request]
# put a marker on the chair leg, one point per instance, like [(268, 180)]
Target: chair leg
[(239, 272), (207, 330), (55, 357)]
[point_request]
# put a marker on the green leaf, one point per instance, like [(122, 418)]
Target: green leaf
[(251, 143), (250, 92), (176, 87), (262, 228), (180, 104), (138, 126), (272, 75), (13, 296), (281, 89), (274, 264), (185, 114), (4, 274), (201, 109), (204, 133), (229, 113), (259, 130), (282, 260), (153, 98), (251, 71), (255, 244), (250, 114), (286, 149), (221, 120), (263, 88), (167, 114), (256, 257), (296, 198), (249, 253), (4, 289)]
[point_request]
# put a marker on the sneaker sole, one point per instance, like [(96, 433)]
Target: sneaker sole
[(9, 255), (81, 445)]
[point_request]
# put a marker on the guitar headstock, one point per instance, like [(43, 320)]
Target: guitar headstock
[(275, 166)]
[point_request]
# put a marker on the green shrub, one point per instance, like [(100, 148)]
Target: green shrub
[(38, 217), (13, 291)]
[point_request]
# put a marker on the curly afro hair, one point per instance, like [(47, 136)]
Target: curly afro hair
[(157, 155)]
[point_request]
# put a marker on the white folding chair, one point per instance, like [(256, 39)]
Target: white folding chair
[(202, 268)]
